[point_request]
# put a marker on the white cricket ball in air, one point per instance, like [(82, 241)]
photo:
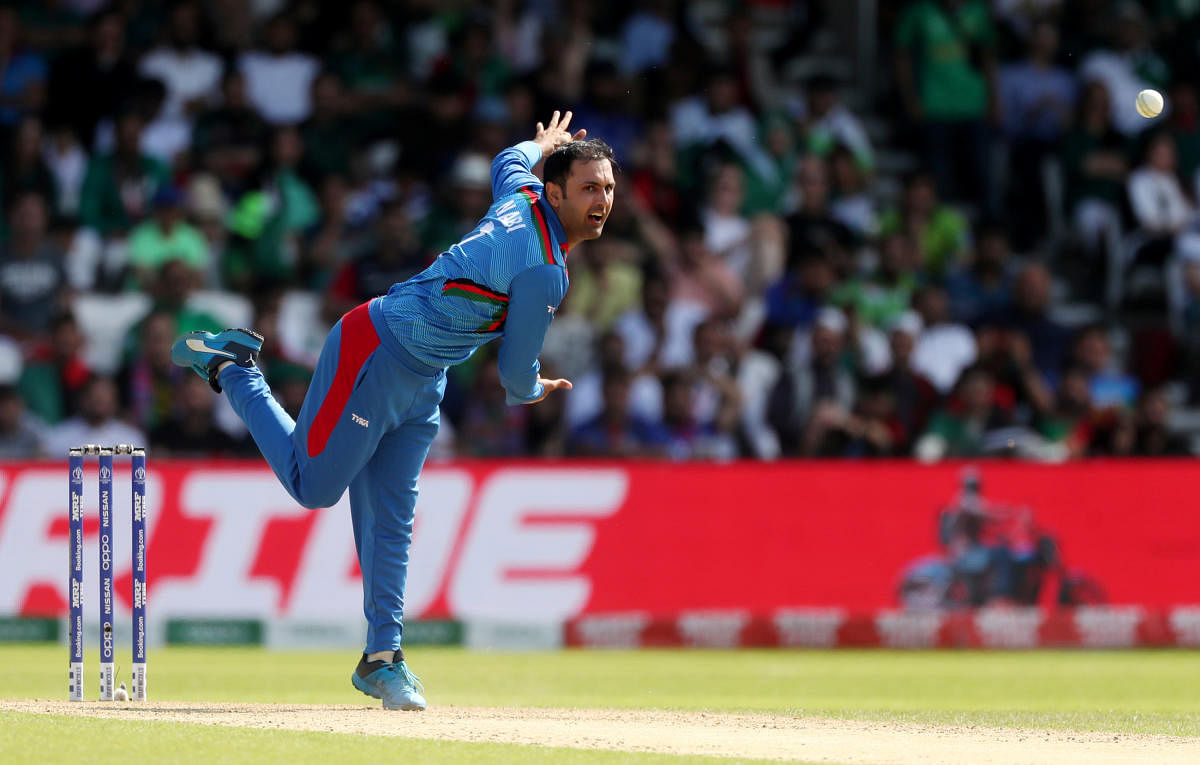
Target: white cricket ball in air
[(121, 694), (1149, 103)]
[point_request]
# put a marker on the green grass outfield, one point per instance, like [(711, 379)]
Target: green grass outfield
[(1125, 692)]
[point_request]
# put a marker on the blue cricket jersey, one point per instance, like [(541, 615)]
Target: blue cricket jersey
[(505, 279)]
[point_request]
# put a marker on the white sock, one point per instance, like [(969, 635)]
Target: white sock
[(222, 365), (380, 655)]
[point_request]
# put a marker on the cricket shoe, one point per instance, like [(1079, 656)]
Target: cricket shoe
[(204, 352), (393, 682)]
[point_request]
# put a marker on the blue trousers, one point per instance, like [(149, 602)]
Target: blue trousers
[(368, 419)]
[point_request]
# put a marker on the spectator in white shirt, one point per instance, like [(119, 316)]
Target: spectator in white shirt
[(1127, 67), (191, 75), (96, 422), (279, 79), (1155, 193), (944, 348)]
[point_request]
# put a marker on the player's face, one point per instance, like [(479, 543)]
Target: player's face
[(587, 199)]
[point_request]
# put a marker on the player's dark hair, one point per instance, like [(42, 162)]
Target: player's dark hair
[(558, 165)]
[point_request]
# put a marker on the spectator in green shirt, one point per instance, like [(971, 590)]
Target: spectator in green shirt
[(942, 234), (166, 236), (945, 70), (118, 186)]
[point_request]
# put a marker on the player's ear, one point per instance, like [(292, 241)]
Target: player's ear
[(554, 194)]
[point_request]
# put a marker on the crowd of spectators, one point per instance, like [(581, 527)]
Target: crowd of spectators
[(771, 283)]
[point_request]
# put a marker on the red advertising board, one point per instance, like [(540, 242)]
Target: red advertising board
[(560, 541)]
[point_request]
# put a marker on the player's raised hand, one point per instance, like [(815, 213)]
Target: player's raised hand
[(548, 386), (555, 133)]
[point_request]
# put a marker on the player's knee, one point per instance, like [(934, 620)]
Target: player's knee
[(316, 497)]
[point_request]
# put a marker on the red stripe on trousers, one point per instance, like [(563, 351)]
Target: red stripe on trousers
[(359, 341)]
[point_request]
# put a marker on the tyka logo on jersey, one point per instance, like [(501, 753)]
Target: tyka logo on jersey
[(359, 420)]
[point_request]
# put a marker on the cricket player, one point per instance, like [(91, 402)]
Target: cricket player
[(371, 411)]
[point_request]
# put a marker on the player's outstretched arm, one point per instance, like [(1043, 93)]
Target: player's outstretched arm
[(533, 296), (512, 169)]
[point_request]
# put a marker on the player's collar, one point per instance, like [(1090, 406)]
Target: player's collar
[(556, 229)]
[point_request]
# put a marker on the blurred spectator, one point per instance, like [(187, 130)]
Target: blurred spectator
[(149, 379), (701, 121), (96, 422), (605, 281), (945, 348), (812, 227), (1037, 100), (390, 255), (961, 428), (229, 140), (945, 70), (1184, 126), (33, 283), (369, 60), (1108, 384), (67, 162), (915, 397), (829, 124), (55, 371), (688, 437), (814, 374), (587, 400), (654, 180), (880, 298), (90, 83), (853, 204), (1006, 355), (795, 298), (983, 286), (279, 77), (1129, 66), (118, 187), (20, 433), (166, 138), (1188, 323), (617, 431), (22, 73), (942, 234), (726, 231), (192, 75), (1029, 316), (1154, 438), (1069, 423), (647, 36), (659, 334), (717, 396), (702, 277), (190, 431), (605, 109), (330, 134), (25, 169), (166, 236), (1095, 164), (1160, 206), (758, 371)]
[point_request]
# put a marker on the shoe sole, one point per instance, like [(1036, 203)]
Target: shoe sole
[(366, 691)]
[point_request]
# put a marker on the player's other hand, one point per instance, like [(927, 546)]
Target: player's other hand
[(549, 386), (555, 134)]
